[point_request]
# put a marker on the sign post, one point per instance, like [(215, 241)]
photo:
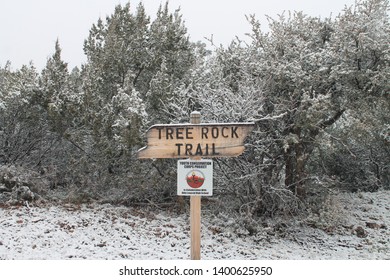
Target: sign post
[(195, 141), (195, 206)]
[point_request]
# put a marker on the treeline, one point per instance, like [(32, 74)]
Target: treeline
[(317, 89)]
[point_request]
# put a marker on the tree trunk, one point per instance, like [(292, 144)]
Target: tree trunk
[(297, 154), (295, 170), (289, 172), (300, 171)]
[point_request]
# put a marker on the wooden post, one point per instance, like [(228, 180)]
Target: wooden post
[(195, 207)]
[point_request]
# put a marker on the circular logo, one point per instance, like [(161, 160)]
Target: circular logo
[(195, 179)]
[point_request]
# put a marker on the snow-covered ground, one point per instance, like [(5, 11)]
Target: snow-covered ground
[(111, 232)]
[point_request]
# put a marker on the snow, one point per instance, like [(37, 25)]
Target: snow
[(95, 232)]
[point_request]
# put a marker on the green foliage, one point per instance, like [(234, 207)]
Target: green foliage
[(317, 90), (300, 82), (132, 69), (22, 119)]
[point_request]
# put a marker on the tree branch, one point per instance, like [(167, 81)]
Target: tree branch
[(332, 120)]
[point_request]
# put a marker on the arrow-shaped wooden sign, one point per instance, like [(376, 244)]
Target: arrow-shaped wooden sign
[(199, 140)]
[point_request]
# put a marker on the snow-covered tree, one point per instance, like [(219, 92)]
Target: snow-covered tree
[(117, 55), (298, 82), (55, 92), (132, 68), (130, 115), (314, 70), (316, 88), (171, 55), (128, 46), (294, 62), (360, 46), (22, 119)]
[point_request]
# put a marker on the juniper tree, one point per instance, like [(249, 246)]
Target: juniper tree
[(361, 72), (298, 82), (23, 136)]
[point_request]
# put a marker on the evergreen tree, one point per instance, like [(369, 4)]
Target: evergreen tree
[(23, 126), (361, 72), (172, 56), (55, 90), (314, 71), (303, 83), (127, 50), (117, 55)]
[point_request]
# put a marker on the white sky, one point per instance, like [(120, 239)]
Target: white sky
[(29, 28)]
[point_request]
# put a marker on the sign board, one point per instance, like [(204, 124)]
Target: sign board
[(195, 140), (195, 177)]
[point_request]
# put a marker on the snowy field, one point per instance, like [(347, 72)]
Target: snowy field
[(96, 232)]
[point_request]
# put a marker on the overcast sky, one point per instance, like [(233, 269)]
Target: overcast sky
[(29, 28)]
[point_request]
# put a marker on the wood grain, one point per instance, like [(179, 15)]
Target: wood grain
[(189, 140)]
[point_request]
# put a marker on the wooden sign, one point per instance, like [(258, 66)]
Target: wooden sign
[(195, 140)]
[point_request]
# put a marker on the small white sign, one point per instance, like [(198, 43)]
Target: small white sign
[(195, 177)]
